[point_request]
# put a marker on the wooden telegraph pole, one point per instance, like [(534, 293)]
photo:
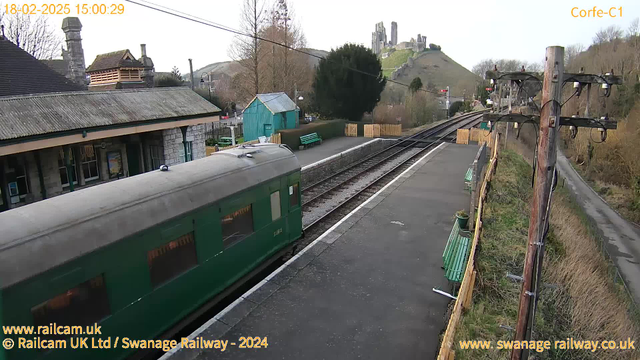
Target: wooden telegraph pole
[(545, 167)]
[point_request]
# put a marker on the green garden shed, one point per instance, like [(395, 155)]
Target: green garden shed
[(268, 113)]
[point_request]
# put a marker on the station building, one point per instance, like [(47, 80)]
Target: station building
[(56, 137)]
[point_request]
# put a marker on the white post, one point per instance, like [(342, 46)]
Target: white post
[(233, 135)]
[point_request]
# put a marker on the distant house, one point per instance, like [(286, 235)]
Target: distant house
[(268, 113), (120, 70)]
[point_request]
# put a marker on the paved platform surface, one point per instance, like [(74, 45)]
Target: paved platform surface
[(327, 148), (364, 288), (621, 236)]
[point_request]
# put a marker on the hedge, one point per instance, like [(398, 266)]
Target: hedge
[(325, 128)]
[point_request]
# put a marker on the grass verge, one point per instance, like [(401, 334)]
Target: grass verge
[(580, 299)]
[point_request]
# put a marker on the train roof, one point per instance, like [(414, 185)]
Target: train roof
[(48, 233)]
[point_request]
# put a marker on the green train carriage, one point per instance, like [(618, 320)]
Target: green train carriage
[(139, 254)]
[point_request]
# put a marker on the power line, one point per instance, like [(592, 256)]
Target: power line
[(202, 21)]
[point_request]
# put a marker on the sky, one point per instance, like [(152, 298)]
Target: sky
[(468, 31)]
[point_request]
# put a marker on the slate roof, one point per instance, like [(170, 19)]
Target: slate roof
[(113, 60), (58, 65), (32, 115), (21, 73), (276, 102)]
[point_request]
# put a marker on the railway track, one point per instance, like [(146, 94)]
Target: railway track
[(328, 200), (324, 203)]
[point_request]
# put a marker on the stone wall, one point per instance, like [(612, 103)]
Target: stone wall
[(174, 148), (328, 167)]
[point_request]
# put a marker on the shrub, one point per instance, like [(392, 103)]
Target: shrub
[(326, 129)]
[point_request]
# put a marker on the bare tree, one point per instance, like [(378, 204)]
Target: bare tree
[(285, 68), (611, 33), (246, 50), (482, 67), (32, 34), (634, 28), (570, 54)]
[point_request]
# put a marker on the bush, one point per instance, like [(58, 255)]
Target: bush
[(211, 142), (325, 128)]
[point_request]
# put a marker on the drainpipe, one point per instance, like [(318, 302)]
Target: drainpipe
[(67, 162), (184, 141), (43, 190)]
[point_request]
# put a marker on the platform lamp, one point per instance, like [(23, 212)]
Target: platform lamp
[(208, 85)]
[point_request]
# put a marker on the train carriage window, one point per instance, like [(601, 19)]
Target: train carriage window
[(275, 206), (237, 225), (172, 259), (293, 195), (82, 305)]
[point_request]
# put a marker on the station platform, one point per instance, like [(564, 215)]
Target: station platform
[(363, 289), (328, 148)]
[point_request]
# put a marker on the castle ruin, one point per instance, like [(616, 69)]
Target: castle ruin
[(379, 40)]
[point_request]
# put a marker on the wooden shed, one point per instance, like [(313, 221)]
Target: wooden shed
[(268, 113)]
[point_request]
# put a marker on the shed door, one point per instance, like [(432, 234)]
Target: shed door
[(268, 129)]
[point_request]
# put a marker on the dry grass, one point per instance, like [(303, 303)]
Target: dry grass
[(584, 300)]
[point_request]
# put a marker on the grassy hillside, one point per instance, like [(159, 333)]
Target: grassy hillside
[(437, 70), (396, 59), (583, 300)]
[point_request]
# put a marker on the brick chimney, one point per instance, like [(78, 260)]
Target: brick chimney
[(74, 55), (148, 72)]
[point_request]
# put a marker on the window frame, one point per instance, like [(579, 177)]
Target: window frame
[(294, 193), (95, 159), (162, 248), (228, 241), (72, 161), (91, 305), (279, 204)]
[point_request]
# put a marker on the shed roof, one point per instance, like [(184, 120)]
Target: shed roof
[(31, 115), (21, 73), (114, 60), (276, 102)]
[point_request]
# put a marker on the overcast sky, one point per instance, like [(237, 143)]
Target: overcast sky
[(468, 31)]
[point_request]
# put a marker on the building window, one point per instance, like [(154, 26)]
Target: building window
[(172, 259), (237, 225), (82, 305), (18, 183), (293, 195), (64, 178), (157, 156), (187, 148), (89, 162), (275, 206)]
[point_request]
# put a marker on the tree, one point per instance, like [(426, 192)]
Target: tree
[(246, 50), (32, 34), (416, 84), (455, 107), (167, 81), (340, 90), (284, 69), (175, 73), (634, 28), (433, 46), (611, 33), (571, 52)]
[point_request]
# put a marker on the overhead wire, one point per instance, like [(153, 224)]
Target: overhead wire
[(189, 17)]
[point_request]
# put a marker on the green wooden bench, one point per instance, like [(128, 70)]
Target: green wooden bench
[(456, 254), (467, 178), (310, 139)]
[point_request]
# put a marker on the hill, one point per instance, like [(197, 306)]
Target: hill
[(229, 69), (434, 68)]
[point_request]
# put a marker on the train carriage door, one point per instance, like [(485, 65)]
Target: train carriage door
[(294, 218)]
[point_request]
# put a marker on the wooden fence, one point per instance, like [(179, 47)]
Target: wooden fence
[(377, 130), (462, 136), (463, 300), (351, 130), (274, 139)]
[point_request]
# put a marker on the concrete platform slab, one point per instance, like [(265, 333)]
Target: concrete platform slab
[(329, 147), (366, 293)]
